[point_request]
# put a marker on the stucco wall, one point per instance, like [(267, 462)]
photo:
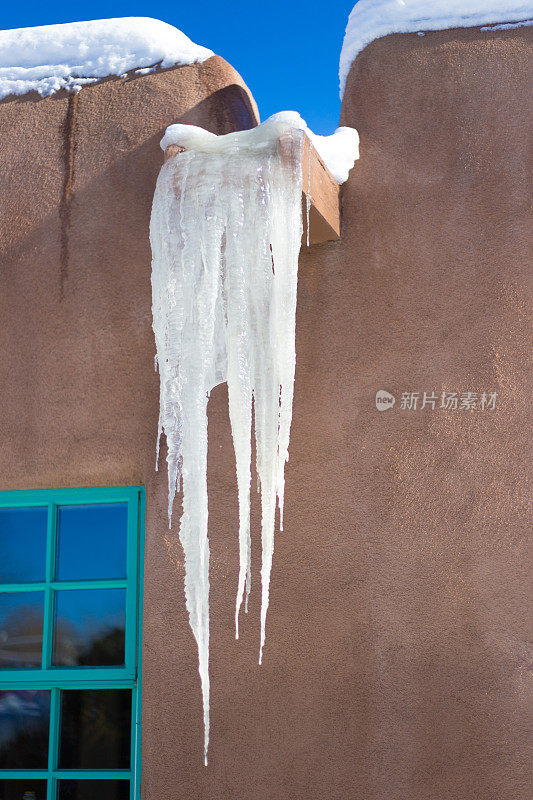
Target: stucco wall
[(77, 180), (395, 666)]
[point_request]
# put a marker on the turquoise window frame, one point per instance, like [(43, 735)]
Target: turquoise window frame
[(55, 679)]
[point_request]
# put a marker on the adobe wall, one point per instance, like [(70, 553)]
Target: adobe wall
[(77, 178), (421, 516), (395, 666)]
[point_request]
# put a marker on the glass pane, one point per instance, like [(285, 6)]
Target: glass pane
[(88, 790), (89, 627), (21, 629), (95, 729), (22, 544), (24, 721), (92, 541), (22, 789)]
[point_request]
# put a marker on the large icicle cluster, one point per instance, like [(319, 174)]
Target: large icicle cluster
[(226, 230)]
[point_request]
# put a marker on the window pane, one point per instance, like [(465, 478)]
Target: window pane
[(22, 789), (95, 729), (24, 722), (89, 627), (92, 541), (88, 790), (22, 544), (21, 629)]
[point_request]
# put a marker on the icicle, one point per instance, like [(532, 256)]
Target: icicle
[(226, 231)]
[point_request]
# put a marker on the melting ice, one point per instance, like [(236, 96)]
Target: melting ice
[(226, 230)]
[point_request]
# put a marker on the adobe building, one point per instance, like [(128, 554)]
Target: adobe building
[(396, 663)]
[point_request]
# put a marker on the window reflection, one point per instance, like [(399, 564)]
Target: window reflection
[(22, 789), (24, 722), (22, 544), (88, 790), (89, 627), (95, 729), (84, 628), (21, 629), (92, 541)]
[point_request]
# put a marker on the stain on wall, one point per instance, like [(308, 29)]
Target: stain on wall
[(69, 152)]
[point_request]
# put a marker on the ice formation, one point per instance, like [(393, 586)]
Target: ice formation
[(371, 19), (52, 57), (226, 230)]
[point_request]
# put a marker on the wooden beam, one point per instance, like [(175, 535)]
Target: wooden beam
[(318, 185), (323, 190), (173, 150)]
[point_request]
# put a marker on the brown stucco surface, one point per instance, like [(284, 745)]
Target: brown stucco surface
[(396, 663)]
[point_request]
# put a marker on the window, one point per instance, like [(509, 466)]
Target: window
[(70, 572)]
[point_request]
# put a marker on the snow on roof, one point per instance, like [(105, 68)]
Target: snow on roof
[(339, 151), (372, 19), (53, 57)]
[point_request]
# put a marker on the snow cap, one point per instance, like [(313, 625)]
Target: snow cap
[(338, 151), (52, 57), (372, 19)]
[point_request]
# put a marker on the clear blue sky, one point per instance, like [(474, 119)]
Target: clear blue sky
[(287, 51)]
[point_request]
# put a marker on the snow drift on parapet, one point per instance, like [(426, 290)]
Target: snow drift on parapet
[(372, 19), (52, 57), (338, 151)]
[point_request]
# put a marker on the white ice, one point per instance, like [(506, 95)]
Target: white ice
[(507, 26), (52, 57), (371, 19), (226, 229)]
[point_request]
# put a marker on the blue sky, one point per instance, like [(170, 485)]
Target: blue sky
[(286, 51)]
